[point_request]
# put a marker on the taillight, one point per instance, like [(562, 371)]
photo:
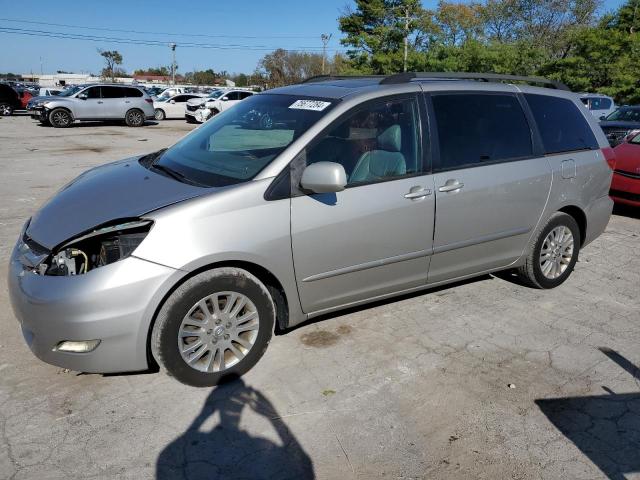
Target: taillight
[(148, 100), (610, 157)]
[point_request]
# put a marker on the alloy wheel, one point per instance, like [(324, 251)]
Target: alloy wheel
[(556, 252), (218, 332)]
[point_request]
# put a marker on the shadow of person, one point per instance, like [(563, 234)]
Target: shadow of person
[(229, 452), (606, 428)]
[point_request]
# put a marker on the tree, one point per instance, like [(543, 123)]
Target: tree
[(282, 67), (376, 31), (111, 59)]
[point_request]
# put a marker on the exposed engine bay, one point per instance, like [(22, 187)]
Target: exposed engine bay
[(95, 249)]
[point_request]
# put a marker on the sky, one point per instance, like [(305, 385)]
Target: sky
[(242, 32)]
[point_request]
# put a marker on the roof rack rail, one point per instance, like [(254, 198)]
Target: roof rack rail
[(322, 78), (485, 77)]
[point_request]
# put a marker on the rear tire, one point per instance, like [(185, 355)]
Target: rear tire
[(553, 254), (223, 345), (134, 118), (6, 110), (158, 114), (60, 118)]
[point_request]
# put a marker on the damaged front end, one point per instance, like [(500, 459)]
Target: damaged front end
[(101, 246)]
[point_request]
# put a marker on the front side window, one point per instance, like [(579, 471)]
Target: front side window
[(375, 143), (235, 145), (562, 126), (92, 92), (600, 104), (479, 128)]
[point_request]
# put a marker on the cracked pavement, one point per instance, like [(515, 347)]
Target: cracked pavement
[(415, 387)]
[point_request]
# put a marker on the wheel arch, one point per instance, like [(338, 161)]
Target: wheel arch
[(272, 283), (580, 217)]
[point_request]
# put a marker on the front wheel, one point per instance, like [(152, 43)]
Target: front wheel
[(60, 118), (158, 114), (134, 118), (215, 326), (553, 254)]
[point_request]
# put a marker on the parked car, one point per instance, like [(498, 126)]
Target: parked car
[(215, 105), (9, 100), (25, 96), (170, 92), (153, 91), (620, 124), (625, 185), (369, 188), (49, 92), (173, 107), (599, 105), (194, 104), (94, 102)]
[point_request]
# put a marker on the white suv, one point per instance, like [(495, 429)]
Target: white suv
[(217, 102), (599, 105)]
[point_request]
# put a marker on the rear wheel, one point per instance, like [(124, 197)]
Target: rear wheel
[(215, 326), (158, 114), (134, 118), (60, 118), (553, 254), (5, 109)]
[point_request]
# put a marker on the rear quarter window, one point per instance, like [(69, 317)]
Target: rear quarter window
[(562, 126)]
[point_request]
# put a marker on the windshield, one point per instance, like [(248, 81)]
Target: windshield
[(216, 94), (625, 115), (70, 91), (235, 145)]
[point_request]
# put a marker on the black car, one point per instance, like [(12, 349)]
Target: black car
[(9, 100), (621, 123)]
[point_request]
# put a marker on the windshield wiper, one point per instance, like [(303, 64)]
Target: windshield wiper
[(175, 174)]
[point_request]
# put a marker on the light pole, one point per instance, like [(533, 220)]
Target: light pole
[(173, 63), (325, 40)]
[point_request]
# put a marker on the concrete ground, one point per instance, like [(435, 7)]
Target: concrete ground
[(413, 388)]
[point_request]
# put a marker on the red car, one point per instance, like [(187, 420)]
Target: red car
[(625, 186)]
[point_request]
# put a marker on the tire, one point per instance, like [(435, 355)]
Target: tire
[(560, 257), (6, 109), (183, 312), (159, 114), (134, 118), (60, 118)]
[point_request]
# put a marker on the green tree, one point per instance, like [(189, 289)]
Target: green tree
[(375, 33), (111, 59)]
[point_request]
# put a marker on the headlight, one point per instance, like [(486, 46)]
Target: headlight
[(98, 248)]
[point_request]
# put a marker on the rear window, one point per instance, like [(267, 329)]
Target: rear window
[(480, 128), (562, 126), (112, 92)]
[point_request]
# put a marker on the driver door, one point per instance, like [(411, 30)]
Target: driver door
[(89, 104), (374, 237)]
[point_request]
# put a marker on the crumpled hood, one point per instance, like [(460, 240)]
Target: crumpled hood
[(197, 101), (118, 190)]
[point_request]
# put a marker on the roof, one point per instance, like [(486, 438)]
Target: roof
[(337, 87)]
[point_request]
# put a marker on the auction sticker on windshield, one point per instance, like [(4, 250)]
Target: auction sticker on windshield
[(315, 105)]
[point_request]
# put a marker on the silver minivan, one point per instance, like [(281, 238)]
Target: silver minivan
[(305, 200)]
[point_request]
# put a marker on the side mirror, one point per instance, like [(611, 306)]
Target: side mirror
[(83, 96), (172, 101), (603, 117), (224, 99), (324, 177)]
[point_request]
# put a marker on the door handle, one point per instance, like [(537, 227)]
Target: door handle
[(100, 101), (417, 192), (127, 101), (451, 186)]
